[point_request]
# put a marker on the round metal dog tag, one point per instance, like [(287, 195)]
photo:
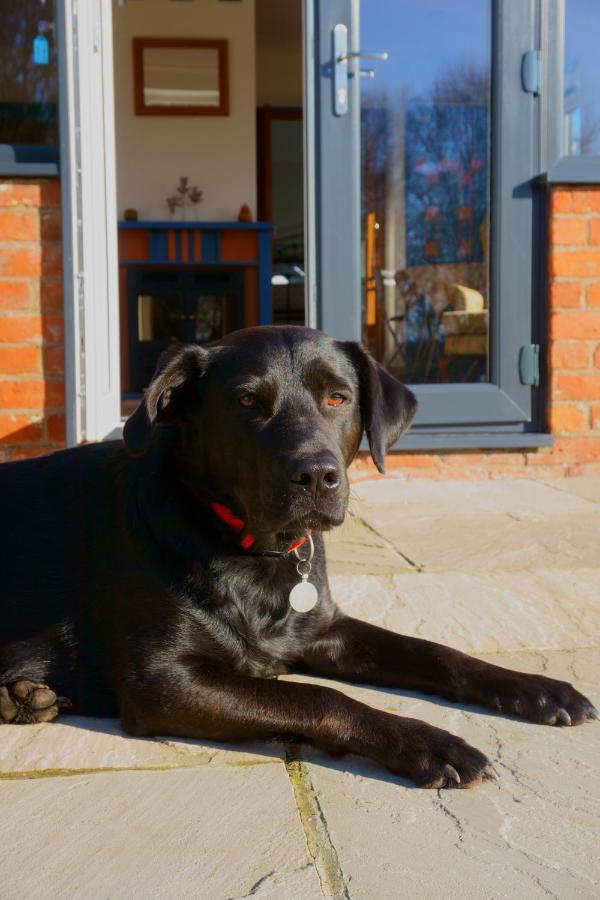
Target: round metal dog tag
[(303, 596)]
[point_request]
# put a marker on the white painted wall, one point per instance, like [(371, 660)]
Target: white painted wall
[(218, 153)]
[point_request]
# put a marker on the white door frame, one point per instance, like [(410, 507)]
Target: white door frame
[(88, 184)]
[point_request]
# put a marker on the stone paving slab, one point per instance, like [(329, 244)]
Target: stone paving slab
[(505, 496), (211, 832), (505, 524), (354, 549), (534, 834), (478, 541), (76, 743), (480, 611), (585, 486)]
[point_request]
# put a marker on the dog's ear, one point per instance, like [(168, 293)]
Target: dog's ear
[(174, 389), (387, 406)]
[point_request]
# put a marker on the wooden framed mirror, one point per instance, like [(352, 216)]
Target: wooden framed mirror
[(180, 77)]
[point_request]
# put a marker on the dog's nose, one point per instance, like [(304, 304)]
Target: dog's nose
[(316, 474)]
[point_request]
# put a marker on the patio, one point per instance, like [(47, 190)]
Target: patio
[(507, 570)]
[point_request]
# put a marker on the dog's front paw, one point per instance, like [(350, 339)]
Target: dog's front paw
[(26, 702), (543, 700), (434, 758)]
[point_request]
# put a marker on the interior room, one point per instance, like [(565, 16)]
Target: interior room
[(209, 161)]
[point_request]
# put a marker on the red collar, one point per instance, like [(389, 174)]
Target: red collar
[(247, 540)]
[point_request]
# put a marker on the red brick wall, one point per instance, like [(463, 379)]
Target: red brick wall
[(32, 405), (573, 412)]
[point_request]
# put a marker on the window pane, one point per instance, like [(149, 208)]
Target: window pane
[(582, 77), (28, 73), (425, 122)]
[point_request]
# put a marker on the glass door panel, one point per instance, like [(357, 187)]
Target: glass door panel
[(425, 188), (414, 184)]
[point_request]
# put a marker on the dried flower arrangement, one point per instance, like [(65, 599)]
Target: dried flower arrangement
[(184, 192)]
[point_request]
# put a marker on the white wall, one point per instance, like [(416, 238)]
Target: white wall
[(218, 153)]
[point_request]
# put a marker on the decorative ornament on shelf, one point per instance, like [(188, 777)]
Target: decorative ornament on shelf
[(130, 215), (245, 213), (184, 192)]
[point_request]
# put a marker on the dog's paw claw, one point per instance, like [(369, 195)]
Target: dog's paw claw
[(452, 776), (563, 717)]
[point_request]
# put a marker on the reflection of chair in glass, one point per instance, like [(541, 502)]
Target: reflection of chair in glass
[(464, 328), (415, 333)]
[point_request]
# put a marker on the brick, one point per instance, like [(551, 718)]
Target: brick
[(577, 387), (568, 231), (582, 263), (14, 294), (50, 225), (20, 360), (50, 192), (16, 329), (595, 417), (54, 361), (565, 294), (14, 194), (584, 325), (568, 355), (19, 226), (409, 460), (24, 261), (579, 449), (52, 259), (597, 358), (54, 394), (593, 294), (575, 201), (53, 329), (51, 294), (460, 460), (19, 429), (567, 417), (21, 394), (594, 231), (56, 428)]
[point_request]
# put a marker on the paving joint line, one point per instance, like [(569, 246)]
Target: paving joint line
[(417, 566), (318, 840)]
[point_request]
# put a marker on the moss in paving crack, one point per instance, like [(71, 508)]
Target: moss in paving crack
[(318, 841)]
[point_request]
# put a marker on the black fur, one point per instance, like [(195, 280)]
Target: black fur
[(124, 593)]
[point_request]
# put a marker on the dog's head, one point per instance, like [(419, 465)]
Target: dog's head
[(268, 419)]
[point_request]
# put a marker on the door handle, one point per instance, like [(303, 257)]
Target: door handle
[(341, 56)]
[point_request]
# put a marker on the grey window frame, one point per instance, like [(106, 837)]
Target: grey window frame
[(560, 168), (503, 412)]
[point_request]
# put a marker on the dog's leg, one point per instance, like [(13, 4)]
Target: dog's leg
[(26, 702), (220, 706), (357, 651)]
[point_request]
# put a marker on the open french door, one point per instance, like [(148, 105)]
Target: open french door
[(426, 119), (89, 220)]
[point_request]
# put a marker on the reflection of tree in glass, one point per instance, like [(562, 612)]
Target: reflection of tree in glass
[(446, 145), (425, 160), (28, 90)]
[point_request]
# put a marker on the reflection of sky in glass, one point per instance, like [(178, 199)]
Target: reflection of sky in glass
[(422, 37), (582, 76)]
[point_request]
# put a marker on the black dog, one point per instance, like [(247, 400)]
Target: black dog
[(152, 577)]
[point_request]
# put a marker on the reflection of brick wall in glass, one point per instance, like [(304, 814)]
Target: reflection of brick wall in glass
[(446, 159)]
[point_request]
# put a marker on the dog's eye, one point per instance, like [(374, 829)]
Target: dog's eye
[(248, 401), (335, 399)]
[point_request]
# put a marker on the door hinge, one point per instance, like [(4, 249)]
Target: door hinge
[(531, 72), (529, 364)]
